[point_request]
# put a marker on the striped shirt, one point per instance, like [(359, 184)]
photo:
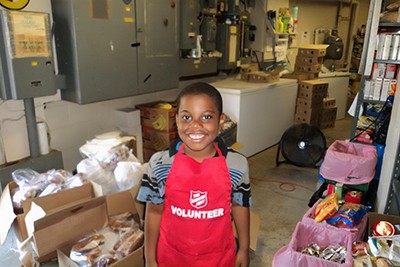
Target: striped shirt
[(153, 183)]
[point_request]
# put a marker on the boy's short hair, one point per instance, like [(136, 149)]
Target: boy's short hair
[(199, 88)]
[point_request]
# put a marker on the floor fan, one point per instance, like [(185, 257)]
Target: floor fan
[(302, 145)]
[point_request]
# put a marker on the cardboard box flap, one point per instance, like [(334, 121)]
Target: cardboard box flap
[(254, 229), (122, 202), (314, 46), (69, 225), (140, 206), (61, 198), (7, 214)]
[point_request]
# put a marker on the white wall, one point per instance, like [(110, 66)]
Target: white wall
[(309, 16)]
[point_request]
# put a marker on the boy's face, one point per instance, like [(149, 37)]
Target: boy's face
[(198, 124)]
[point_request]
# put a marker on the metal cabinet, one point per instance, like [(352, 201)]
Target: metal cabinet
[(113, 49), (157, 33)]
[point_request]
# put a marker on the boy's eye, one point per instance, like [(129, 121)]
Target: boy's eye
[(185, 117), (207, 117)]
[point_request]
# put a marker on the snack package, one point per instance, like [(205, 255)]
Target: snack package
[(348, 215), (326, 208)]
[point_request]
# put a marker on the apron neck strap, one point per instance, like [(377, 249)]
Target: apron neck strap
[(182, 145)]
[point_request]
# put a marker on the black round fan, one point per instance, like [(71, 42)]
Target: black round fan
[(302, 145)]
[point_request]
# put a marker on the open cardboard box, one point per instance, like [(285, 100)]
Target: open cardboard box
[(54, 234), (374, 217), (48, 203)]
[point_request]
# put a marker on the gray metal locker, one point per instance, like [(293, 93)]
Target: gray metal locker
[(97, 48), (157, 33)]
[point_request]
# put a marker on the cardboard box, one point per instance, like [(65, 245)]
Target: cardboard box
[(308, 114), (62, 229), (313, 103), (263, 77), (147, 153), (311, 50), (329, 102), (313, 88), (326, 124), (300, 76), (255, 223), (308, 68), (328, 114), (157, 140), (158, 115), (246, 69), (229, 136), (49, 203), (307, 61), (299, 118)]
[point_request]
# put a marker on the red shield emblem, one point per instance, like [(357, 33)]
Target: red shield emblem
[(198, 199)]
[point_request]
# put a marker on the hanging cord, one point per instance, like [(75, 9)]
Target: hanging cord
[(258, 62), (372, 123)]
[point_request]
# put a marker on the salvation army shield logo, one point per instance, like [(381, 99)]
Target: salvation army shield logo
[(198, 199)]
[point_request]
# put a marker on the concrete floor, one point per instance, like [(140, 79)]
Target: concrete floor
[(281, 194)]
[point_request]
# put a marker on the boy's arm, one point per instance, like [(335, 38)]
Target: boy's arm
[(241, 217), (152, 231)]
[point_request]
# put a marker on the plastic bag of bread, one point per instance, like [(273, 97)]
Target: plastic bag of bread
[(110, 158), (129, 242), (123, 222), (86, 249), (326, 208)]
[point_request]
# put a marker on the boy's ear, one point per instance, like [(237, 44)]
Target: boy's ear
[(221, 121)]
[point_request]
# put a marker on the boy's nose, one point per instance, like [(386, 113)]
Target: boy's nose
[(196, 123)]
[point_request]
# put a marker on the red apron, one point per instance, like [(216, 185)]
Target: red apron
[(196, 227)]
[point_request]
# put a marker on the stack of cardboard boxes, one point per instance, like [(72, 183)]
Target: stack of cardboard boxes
[(158, 127), (308, 62), (310, 98), (313, 105)]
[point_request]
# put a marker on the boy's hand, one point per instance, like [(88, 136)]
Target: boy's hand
[(242, 258), (151, 264)]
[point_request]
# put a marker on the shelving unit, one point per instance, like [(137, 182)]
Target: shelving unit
[(388, 192), (367, 60)]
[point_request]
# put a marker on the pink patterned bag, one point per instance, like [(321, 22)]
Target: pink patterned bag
[(304, 235), (349, 163), (357, 232)]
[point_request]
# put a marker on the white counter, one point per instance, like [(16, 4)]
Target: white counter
[(263, 111)]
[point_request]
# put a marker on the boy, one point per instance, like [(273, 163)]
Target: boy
[(194, 189)]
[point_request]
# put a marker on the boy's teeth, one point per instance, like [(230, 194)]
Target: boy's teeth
[(196, 136)]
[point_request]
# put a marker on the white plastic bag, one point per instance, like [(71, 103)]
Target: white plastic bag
[(127, 174)]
